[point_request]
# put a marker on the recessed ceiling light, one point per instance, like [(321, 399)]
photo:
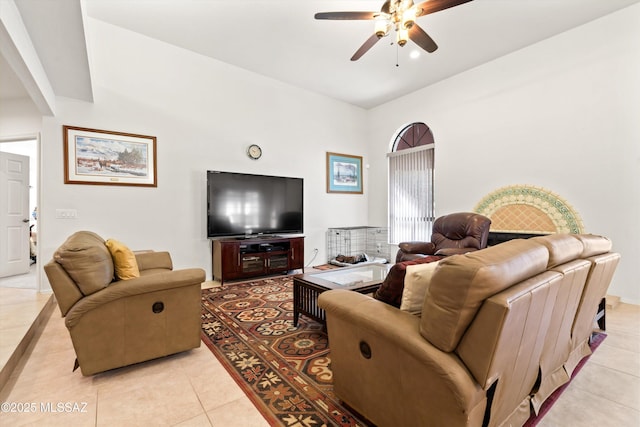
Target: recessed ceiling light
[(414, 54)]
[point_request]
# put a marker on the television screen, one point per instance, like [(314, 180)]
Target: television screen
[(244, 204)]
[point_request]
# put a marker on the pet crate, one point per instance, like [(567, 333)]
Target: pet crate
[(352, 241)]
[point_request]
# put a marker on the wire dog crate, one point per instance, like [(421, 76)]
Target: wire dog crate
[(351, 241)]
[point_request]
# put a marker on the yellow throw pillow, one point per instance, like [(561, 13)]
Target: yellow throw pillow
[(416, 283), (124, 260)]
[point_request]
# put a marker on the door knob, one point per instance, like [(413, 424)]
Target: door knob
[(25, 220)]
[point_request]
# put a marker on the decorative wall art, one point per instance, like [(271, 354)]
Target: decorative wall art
[(102, 157), (344, 173), (529, 209)]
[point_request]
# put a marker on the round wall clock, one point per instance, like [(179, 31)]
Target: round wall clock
[(254, 151)]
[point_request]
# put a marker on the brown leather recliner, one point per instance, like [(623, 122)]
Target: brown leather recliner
[(452, 234), (115, 323)]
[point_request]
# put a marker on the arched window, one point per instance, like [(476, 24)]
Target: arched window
[(411, 210)]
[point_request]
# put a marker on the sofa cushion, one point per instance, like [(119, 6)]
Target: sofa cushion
[(562, 248), (86, 260), (593, 245), (391, 289), (461, 283), (416, 283), (124, 260), (153, 262)]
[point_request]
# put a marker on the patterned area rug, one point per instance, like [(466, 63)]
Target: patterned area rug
[(285, 370)]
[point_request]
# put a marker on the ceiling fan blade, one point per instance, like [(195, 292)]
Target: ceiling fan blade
[(365, 47), (345, 15), (386, 7), (432, 6), (422, 39)]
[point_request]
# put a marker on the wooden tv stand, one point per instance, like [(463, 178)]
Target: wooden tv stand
[(246, 257)]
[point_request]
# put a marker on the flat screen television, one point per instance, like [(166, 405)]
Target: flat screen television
[(240, 204)]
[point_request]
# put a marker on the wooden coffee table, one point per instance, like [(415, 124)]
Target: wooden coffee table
[(307, 287)]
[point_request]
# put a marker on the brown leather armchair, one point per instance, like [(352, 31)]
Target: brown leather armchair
[(455, 233), (116, 323)]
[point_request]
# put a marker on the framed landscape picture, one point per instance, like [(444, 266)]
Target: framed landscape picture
[(344, 173), (102, 157)]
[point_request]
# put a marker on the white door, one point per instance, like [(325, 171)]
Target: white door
[(14, 214)]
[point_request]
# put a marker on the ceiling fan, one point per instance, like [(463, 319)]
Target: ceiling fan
[(400, 15)]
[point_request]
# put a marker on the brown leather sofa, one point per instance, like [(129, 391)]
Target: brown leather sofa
[(115, 323), (500, 329), (455, 233)]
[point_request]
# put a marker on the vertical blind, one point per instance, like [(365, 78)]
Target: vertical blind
[(411, 209)]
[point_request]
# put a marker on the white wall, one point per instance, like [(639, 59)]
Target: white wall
[(561, 114), (204, 114), (19, 119)]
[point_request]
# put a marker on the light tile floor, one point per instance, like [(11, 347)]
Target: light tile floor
[(193, 389), (21, 281), (18, 309), (20, 305)]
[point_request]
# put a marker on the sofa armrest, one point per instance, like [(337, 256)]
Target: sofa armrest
[(140, 285), (454, 251), (154, 260), (424, 248), (397, 328), (400, 359), (65, 289)]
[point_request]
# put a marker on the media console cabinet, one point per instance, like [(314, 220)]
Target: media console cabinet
[(246, 257)]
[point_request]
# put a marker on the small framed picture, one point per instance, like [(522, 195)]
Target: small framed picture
[(344, 173), (102, 157)]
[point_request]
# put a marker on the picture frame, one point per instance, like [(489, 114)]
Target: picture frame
[(344, 173), (103, 157)]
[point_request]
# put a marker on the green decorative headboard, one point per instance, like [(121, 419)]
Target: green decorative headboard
[(529, 209)]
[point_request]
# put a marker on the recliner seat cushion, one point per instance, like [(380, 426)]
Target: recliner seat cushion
[(87, 261)]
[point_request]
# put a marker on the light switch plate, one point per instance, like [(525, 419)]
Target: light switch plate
[(66, 213)]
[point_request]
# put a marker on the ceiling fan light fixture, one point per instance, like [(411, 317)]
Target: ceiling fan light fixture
[(398, 15), (382, 26), (406, 4), (402, 36), (409, 18)]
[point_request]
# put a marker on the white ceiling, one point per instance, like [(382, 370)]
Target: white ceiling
[(56, 31), (280, 39)]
